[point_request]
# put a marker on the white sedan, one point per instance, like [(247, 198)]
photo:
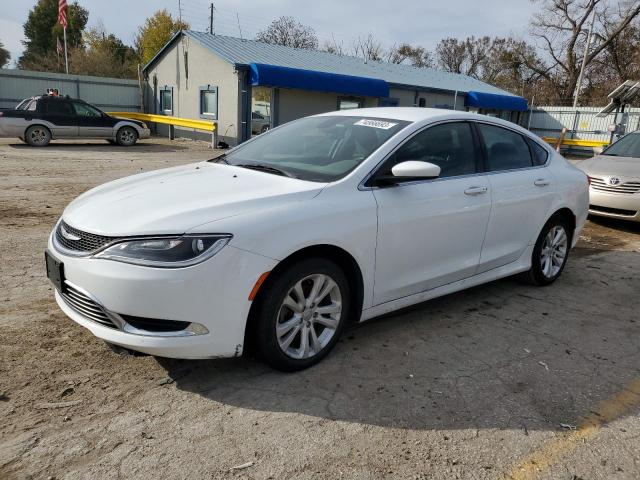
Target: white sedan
[(331, 219)]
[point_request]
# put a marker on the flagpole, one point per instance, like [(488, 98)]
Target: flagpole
[(66, 59)]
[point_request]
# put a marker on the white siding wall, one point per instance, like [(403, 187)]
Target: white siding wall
[(204, 69)]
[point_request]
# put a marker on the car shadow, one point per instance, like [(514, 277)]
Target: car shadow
[(502, 355), (140, 147), (617, 224)]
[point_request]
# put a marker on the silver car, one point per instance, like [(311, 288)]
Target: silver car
[(614, 179)]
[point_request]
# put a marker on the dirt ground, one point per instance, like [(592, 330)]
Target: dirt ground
[(502, 381)]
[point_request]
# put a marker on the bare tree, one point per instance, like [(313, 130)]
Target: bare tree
[(332, 46), (416, 56), (463, 56), (368, 48), (289, 32), (560, 29)]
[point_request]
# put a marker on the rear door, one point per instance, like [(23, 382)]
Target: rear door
[(92, 123), (59, 113), (522, 191)]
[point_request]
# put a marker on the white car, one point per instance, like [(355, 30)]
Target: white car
[(327, 220)]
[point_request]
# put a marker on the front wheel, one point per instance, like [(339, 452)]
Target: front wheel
[(126, 137), (302, 313), (550, 252)]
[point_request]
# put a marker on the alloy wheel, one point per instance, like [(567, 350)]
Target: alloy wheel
[(309, 316), (554, 251)]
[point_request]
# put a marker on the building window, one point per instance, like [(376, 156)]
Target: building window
[(349, 103), (166, 101), (209, 102)]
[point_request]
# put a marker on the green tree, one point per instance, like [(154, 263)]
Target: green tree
[(42, 31), (4, 56), (155, 33)]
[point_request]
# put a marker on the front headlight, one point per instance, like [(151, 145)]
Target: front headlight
[(166, 252)]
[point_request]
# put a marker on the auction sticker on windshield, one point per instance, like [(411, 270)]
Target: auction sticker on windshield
[(365, 122)]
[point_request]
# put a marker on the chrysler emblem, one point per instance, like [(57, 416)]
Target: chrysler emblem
[(614, 181), (67, 235)]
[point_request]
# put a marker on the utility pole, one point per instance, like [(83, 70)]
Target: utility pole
[(239, 28), (180, 10), (584, 60), (212, 9)]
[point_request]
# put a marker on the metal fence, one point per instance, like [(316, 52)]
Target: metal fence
[(103, 92), (581, 123)]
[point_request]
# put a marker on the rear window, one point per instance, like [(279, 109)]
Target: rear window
[(506, 149), (538, 153)]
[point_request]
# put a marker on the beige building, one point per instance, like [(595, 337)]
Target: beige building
[(248, 87)]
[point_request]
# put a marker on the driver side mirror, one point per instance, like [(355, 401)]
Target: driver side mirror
[(409, 170)]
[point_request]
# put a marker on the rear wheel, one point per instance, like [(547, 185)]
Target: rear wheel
[(37, 136), (302, 313), (550, 252), (126, 136)]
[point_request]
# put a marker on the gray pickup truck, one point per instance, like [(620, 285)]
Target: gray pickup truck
[(38, 120)]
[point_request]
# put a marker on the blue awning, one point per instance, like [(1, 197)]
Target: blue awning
[(495, 102), (286, 77)]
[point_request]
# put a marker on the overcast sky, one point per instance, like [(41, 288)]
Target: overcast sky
[(422, 22)]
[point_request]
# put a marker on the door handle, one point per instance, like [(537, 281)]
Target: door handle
[(541, 182), (475, 190)]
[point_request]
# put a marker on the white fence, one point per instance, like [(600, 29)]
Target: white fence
[(581, 122)]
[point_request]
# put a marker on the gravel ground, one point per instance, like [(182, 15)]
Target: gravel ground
[(487, 384)]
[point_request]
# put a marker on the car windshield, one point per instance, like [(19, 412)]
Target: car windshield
[(627, 146), (319, 149)]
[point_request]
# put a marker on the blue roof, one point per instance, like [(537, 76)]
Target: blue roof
[(496, 102), (287, 77), (245, 52)]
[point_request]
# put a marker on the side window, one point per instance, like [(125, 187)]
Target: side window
[(59, 107), (449, 145), (166, 101), (209, 102), (32, 106), (538, 153), (506, 150), (86, 110)]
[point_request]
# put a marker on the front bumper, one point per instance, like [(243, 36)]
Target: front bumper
[(615, 205), (212, 294)]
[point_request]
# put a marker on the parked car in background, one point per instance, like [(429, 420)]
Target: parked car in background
[(259, 123), (323, 221), (614, 179), (40, 119)]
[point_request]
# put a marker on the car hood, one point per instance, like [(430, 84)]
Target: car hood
[(175, 200), (605, 165)]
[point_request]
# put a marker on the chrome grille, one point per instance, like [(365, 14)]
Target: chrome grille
[(86, 243), (601, 185), (86, 306)]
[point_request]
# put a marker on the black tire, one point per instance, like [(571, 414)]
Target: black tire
[(126, 136), (269, 314), (536, 275), (37, 136), (265, 128)]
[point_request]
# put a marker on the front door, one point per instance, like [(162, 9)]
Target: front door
[(91, 121), (522, 189), (430, 232)]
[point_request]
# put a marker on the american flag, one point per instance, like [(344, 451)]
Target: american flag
[(62, 13), (59, 46)]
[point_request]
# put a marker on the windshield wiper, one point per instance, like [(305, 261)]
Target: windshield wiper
[(219, 159), (266, 169)]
